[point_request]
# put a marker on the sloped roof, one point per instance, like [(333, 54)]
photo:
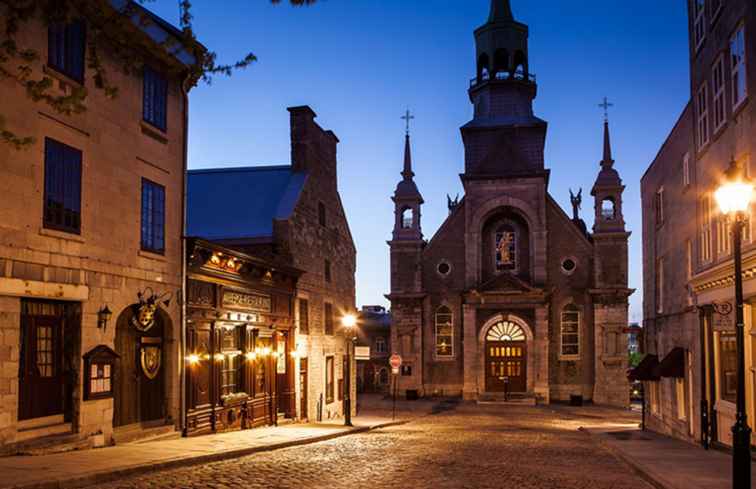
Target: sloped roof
[(240, 203)]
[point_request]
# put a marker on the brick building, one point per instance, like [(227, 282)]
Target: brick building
[(374, 332), (687, 262), (91, 220), (510, 294), (292, 215)]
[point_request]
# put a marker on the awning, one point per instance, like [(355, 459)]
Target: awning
[(646, 369), (673, 364)]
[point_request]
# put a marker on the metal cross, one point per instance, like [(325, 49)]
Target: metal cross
[(407, 117), (605, 105)]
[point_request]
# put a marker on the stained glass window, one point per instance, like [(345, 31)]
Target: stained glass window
[(506, 248), (570, 331), (444, 332)]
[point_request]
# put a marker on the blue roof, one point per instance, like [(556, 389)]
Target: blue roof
[(240, 203)]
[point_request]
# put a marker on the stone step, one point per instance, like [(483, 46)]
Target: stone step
[(45, 445), (137, 433), (511, 399)]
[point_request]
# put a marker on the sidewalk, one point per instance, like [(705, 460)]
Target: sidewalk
[(665, 462), (81, 468)]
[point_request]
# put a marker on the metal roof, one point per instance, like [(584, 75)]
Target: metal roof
[(240, 203)]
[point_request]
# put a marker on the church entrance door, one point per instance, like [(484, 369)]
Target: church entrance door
[(506, 358)]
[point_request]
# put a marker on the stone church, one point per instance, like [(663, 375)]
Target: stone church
[(511, 296)]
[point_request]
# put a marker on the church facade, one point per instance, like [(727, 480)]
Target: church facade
[(511, 296)]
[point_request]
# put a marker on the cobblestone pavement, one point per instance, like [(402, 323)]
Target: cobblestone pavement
[(466, 447)]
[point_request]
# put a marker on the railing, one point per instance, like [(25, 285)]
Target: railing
[(504, 75)]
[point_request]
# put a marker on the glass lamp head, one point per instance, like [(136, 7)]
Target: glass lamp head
[(736, 191), (349, 321)]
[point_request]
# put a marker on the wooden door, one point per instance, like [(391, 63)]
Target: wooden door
[(506, 366), (303, 388), (41, 380), (152, 374)]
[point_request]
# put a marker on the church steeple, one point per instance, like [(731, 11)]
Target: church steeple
[(407, 198), (608, 189), (407, 173), (607, 162), (501, 11)]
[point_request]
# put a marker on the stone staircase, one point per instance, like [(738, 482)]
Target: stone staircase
[(140, 434), (508, 400)]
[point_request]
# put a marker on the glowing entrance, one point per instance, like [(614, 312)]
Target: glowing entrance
[(506, 354)]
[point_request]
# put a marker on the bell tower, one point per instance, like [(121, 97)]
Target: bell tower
[(608, 189), (504, 138)]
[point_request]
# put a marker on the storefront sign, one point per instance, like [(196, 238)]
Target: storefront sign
[(251, 302), (362, 353)]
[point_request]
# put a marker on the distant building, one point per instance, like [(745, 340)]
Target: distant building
[(287, 216), (374, 332), (634, 338), (90, 224), (511, 294), (687, 243)]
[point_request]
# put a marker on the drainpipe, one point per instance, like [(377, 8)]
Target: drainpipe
[(182, 303)]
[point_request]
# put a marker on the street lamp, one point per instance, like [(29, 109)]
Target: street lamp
[(734, 197), (348, 321)]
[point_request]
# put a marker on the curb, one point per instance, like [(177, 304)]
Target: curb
[(643, 473), (111, 475)]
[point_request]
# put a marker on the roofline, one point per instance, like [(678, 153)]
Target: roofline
[(235, 169), (667, 139), (245, 256)]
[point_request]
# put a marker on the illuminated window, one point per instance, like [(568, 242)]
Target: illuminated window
[(728, 363), (724, 236), (444, 332), (570, 331), (506, 248), (706, 225), (682, 412), (304, 316)]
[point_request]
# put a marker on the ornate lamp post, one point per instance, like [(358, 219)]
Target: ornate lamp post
[(734, 197), (348, 321)]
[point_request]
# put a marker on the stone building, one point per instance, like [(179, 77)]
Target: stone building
[(687, 256), (292, 215), (374, 332), (91, 222), (511, 295)]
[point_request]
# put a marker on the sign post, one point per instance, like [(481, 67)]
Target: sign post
[(395, 361)]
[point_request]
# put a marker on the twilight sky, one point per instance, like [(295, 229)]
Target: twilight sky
[(359, 64)]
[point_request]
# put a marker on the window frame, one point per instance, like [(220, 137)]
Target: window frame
[(659, 285), (66, 62), (702, 116), (686, 169), (724, 236), (152, 82), (328, 328), (659, 207), (148, 242), (330, 376), (381, 345), (738, 67), (443, 311), (719, 83), (304, 319), (699, 23), (327, 272), (706, 252), (569, 309), (63, 179)]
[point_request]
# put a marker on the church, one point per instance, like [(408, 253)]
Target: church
[(511, 298)]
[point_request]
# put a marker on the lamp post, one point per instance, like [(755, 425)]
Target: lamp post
[(348, 321), (734, 197)]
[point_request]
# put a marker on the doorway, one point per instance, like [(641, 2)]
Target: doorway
[(506, 358), (303, 388)]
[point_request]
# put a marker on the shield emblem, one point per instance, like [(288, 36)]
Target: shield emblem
[(144, 317), (151, 355)]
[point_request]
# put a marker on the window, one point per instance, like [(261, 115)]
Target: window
[(686, 169), (607, 209), (153, 217), (380, 345), (229, 344), (444, 332), (340, 390), (728, 363), (304, 316), (62, 187), (155, 99), (718, 86), (689, 258), (329, 380), (682, 413), (65, 49), (659, 207), (321, 214), (406, 370), (703, 115), (699, 24), (724, 236), (660, 285), (570, 332), (327, 271), (706, 229), (407, 218), (506, 248), (443, 268), (737, 64), (328, 320), (654, 393)]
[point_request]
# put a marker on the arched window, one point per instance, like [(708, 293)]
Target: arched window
[(505, 248), (501, 64), (408, 218), (444, 332), (483, 67), (519, 64), (570, 331), (608, 211), (505, 331)]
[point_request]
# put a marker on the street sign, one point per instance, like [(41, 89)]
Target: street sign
[(362, 353), (395, 361), (395, 371)]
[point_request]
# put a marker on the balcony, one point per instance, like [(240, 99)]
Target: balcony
[(518, 75)]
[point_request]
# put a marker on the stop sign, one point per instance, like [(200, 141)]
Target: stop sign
[(395, 361)]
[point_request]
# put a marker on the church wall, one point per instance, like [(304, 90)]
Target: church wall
[(570, 376)]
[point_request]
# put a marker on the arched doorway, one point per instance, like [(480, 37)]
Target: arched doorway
[(506, 358), (139, 395)]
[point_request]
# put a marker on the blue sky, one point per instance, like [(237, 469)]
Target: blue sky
[(359, 64)]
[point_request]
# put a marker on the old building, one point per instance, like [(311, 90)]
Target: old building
[(374, 332), (90, 224), (687, 262), (511, 294), (292, 216)]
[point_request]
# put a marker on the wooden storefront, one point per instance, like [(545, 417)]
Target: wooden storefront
[(239, 340)]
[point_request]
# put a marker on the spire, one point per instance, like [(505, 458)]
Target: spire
[(607, 162), (501, 11), (407, 173)]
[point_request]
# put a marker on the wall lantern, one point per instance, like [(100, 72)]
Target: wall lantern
[(103, 316)]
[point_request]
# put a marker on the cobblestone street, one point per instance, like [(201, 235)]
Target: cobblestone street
[(465, 447)]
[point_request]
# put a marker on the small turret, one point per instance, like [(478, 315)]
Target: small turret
[(407, 200), (607, 192)]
